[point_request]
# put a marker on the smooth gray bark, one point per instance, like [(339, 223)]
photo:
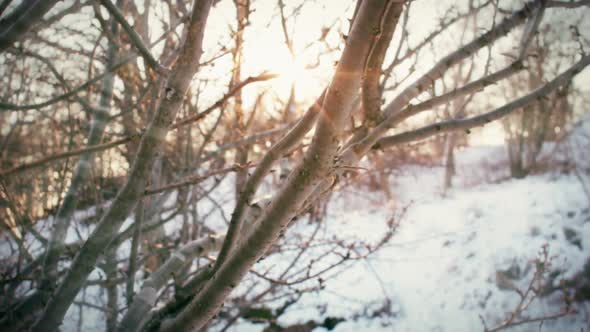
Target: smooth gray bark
[(144, 301)]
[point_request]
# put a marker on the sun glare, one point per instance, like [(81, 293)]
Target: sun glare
[(290, 70)]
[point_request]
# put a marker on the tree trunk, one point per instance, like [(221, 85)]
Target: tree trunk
[(317, 164), (171, 100)]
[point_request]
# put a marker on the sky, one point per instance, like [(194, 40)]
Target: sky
[(265, 49), (313, 62)]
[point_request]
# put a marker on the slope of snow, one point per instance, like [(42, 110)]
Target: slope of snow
[(439, 269)]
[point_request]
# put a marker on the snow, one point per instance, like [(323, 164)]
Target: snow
[(438, 271)]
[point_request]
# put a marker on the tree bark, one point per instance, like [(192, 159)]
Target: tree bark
[(317, 163), (22, 19), (171, 100)]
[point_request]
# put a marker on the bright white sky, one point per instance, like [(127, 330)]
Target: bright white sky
[(265, 49)]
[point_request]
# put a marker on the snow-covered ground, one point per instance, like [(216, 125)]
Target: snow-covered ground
[(438, 272), (439, 269)]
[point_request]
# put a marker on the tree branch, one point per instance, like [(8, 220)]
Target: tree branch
[(134, 37), (316, 164), (370, 87), (174, 91), (567, 4), (251, 186), (480, 120), (397, 104), (105, 146), (22, 19)]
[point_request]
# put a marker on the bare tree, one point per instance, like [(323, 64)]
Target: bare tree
[(162, 140)]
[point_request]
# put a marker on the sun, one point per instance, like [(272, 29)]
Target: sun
[(296, 73), (292, 71)]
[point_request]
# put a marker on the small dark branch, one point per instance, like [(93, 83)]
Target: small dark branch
[(135, 38), (304, 278), (3, 6), (529, 295), (252, 79), (61, 80), (68, 154), (69, 94), (128, 139), (284, 26), (564, 313), (93, 306), (21, 20), (530, 29), (125, 59), (196, 179), (468, 88), (247, 141), (75, 6)]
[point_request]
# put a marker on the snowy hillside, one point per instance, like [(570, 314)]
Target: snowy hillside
[(439, 270)]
